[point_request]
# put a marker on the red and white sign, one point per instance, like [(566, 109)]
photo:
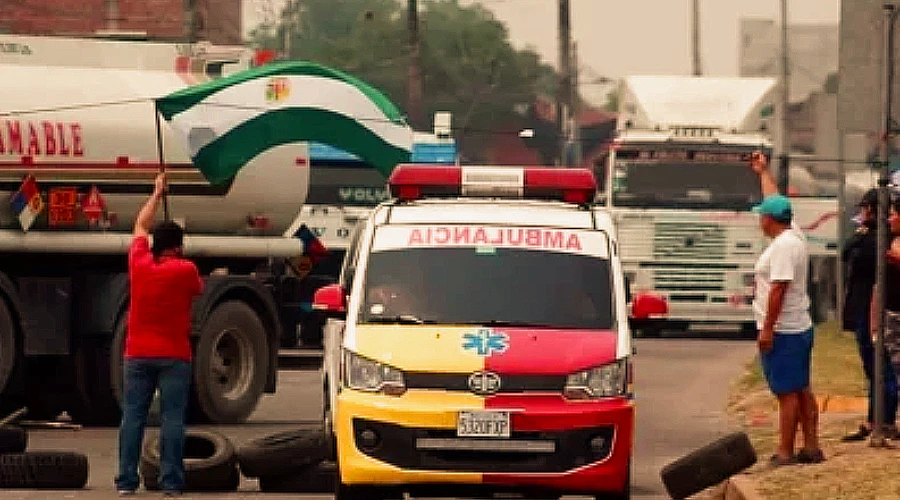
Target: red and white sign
[(93, 205), (531, 238)]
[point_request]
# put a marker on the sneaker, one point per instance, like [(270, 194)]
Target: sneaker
[(810, 457), (891, 432), (859, 435), (126, 493)]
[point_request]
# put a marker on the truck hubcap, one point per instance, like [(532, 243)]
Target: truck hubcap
[(232, 363)]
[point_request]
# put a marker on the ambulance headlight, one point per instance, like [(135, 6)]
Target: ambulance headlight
[(364, 374), (605, 381)]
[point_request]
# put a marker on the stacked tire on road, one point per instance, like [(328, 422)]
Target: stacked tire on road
[(20, 469), (290, 462), (209, 463)]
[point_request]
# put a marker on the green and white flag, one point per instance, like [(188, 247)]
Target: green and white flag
[(228, 121)]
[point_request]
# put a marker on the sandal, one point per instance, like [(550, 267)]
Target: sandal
[(776, 461), (810, 457)]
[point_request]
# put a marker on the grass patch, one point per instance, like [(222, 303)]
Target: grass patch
[(852, 470)]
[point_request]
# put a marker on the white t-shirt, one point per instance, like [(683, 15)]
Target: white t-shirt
[(785, 259)]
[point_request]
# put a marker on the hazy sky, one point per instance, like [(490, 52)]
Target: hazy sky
[(620, 37)]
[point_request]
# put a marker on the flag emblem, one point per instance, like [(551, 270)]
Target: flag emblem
[(27, 203), (312, 246), (278, 89)]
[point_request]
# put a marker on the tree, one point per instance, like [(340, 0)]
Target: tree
[(469, 66)]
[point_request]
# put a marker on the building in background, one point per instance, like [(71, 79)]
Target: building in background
[(216, 21)]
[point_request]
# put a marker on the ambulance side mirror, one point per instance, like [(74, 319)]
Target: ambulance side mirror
[(331, 300), (627, 290)]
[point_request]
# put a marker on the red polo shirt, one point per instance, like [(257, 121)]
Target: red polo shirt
[(162, 292)]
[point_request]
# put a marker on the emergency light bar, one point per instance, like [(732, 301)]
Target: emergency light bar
[(571, 185)]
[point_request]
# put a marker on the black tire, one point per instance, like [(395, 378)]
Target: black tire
[(283, 453), (209, 462), (99, 377), (44, 470), (708, 466), (319, 478), (230, 365), (13, 439), (9, 352), (344, 492), (328, 423)]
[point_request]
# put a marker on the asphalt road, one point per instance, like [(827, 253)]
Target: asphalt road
[(681, 387)]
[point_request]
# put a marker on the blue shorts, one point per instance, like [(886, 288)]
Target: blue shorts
[(786, 366)]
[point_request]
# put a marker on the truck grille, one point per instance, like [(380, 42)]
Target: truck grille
[(689, 278), (680, 240)]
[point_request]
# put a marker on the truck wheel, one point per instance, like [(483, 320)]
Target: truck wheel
[(230, 365), (345, 492), (8, 350)]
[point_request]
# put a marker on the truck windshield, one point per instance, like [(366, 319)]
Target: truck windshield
[(685, 178), (469, 285)]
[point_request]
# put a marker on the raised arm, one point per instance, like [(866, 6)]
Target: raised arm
[(760, 165), (144, 221)]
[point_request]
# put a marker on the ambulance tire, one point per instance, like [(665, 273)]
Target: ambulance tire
[(235, 335), (708, 465), (318, 478), (56, 470), (209, 462), (9, 351), (283, 453), (13, 439)]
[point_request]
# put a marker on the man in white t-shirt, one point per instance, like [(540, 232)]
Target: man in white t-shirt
[(781, 307)]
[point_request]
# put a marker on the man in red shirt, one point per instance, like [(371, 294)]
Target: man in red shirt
[(157, 346)]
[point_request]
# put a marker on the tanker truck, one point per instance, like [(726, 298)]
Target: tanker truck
[(78, 155)]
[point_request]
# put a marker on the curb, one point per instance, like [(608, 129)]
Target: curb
[(741, 488)]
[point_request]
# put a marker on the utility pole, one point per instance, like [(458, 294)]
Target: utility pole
[(784, 161), (877, 438), (563, 91), (695, 29), (415, 66), (190, 21), (576, 101)]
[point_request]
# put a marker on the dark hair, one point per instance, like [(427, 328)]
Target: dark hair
[(166, 236)]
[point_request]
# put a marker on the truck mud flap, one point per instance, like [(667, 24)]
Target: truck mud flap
[(12, 439), (284, 452), (708, 466), (209, 462), (56, 470)]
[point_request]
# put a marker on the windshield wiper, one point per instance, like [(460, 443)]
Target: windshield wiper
[(401, 319), (498, 322)]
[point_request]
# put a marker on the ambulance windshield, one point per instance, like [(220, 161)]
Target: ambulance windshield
[(488, 285)]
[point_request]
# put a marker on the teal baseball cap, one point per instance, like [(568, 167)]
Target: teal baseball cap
[(777, 206)]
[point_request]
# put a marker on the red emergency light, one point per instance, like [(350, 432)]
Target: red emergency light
[(571, 185)]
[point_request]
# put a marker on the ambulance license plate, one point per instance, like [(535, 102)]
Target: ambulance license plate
[(483, 424)]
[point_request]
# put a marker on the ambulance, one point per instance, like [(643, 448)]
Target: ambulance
[(477, 341)]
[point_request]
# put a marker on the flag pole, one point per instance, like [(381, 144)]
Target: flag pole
[(162, 163)]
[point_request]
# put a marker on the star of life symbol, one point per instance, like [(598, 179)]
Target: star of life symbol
[(485, 342)]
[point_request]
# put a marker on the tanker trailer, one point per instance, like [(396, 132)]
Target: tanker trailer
[(78, 144)]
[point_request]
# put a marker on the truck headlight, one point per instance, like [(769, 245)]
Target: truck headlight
[(364, 374), (604, 381)]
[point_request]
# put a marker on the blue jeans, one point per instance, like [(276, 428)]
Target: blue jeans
[(142, 378), (867, 356)]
